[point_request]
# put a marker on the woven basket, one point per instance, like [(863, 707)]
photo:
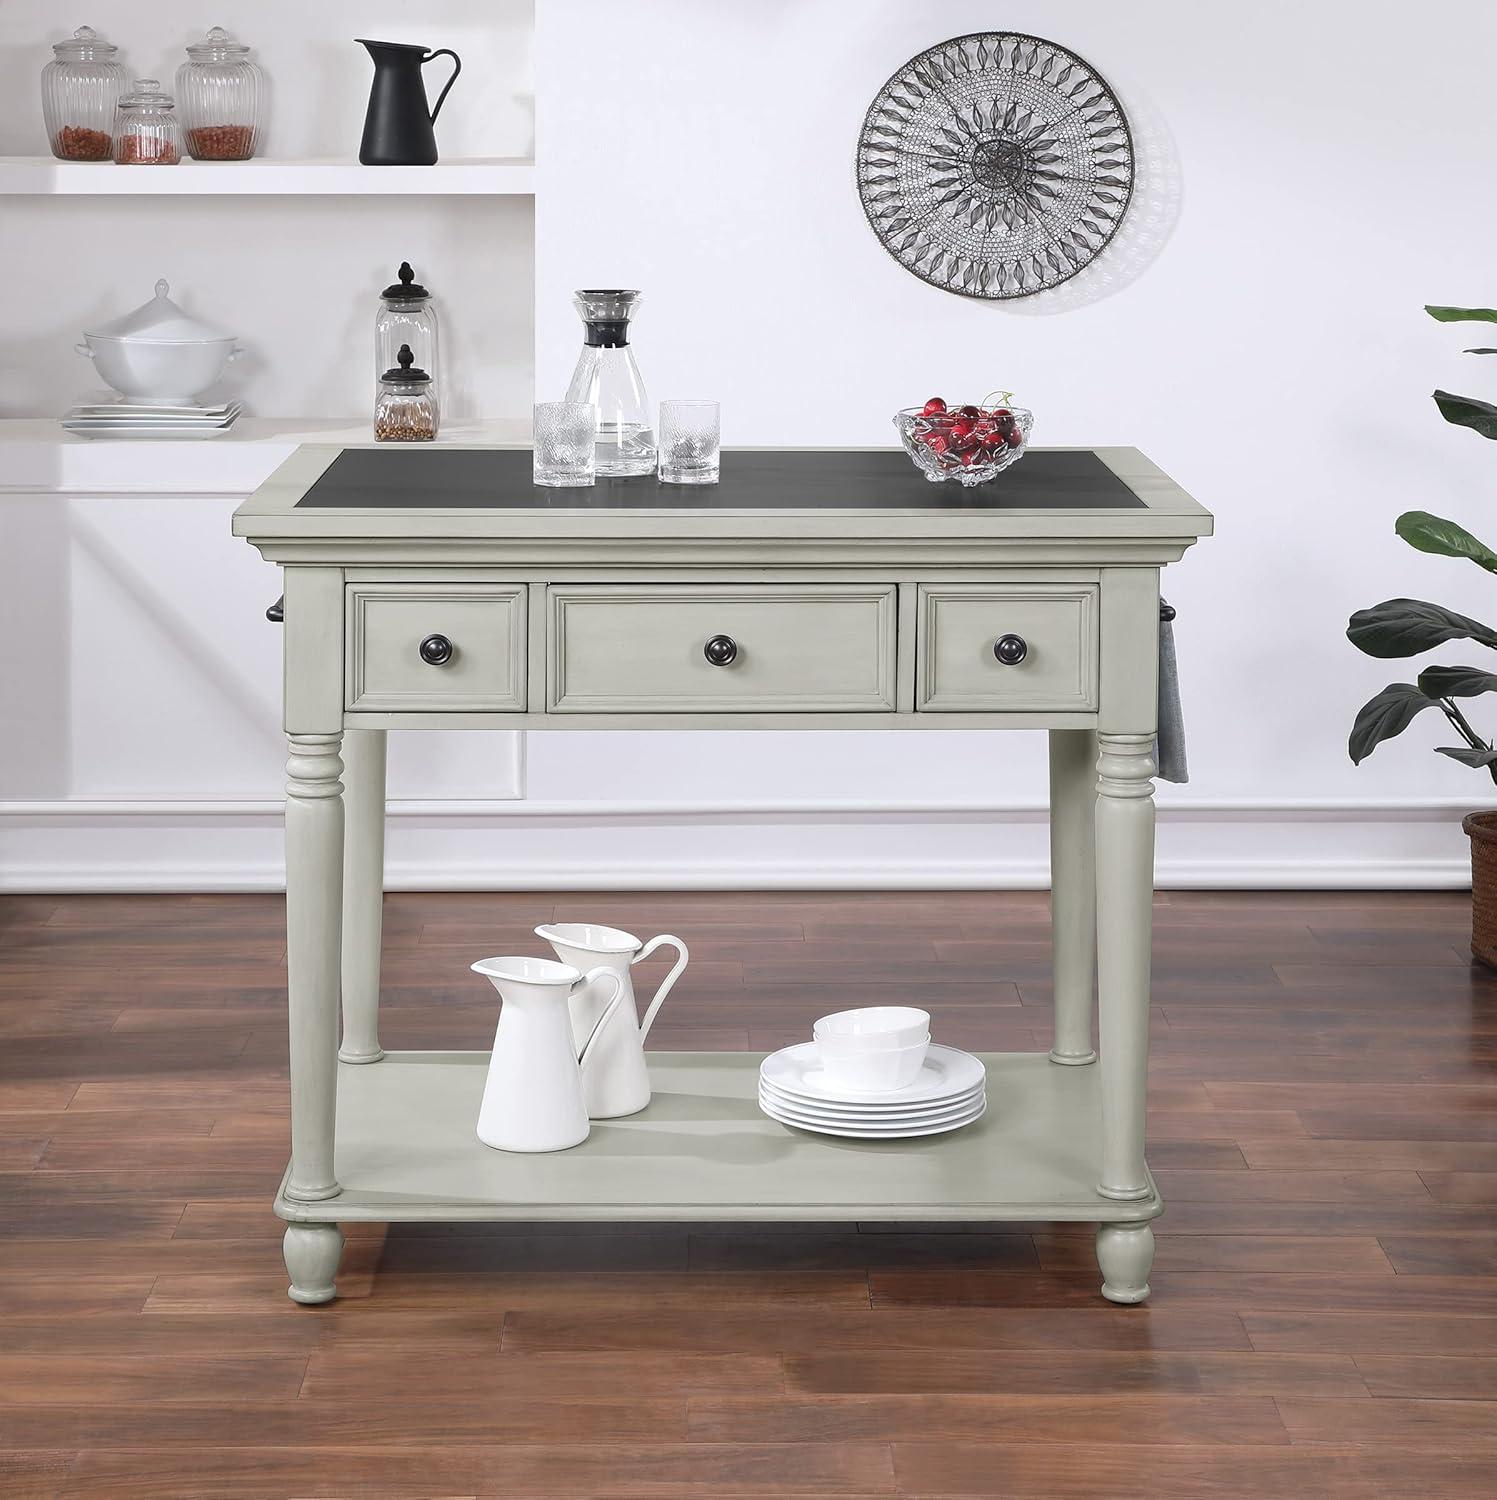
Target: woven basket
[(1482, 828)]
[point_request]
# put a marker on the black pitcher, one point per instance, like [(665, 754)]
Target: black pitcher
[(398, 128)]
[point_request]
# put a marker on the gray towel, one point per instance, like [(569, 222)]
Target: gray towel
[(1169, 751)]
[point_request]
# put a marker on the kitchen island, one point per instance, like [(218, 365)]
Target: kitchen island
[(812, 589)]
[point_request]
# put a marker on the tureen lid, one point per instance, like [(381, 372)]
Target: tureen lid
[(160, 321)]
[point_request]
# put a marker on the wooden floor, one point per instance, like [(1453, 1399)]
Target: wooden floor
[(1324, 1321)]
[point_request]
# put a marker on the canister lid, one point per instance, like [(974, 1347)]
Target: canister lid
[(159, 321), (148, 94), (84, 43), (407, 289), (216, 46), (406, 375)]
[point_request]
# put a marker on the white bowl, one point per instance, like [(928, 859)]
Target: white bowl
[(874, 1072), (159, 372), (857, 1046), (875, 1027)]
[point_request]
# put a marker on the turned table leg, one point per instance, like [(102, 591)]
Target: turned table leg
[(312, 1252), (363, 891), (1125, 897), (1073, 890), (1125, 1252), (314, 897)]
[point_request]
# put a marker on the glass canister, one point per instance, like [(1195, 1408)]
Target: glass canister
[(221, 93), (146, 131), (407, 315), (607, 377), (405, 411), (81, 87)]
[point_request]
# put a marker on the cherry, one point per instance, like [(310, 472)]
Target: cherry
[(969, 411), (963, 429), (1015, 439), (936, 442), (935, 407), (972, 456)]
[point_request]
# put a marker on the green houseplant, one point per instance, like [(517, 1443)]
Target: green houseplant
[(1409, 627)]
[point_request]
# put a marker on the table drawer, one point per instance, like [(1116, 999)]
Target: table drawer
[(1055, 629), (798, 648), (435, 648)]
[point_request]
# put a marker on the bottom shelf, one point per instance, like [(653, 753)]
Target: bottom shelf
[(406, 1150)]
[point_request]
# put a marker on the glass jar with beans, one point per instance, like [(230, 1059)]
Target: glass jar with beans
[(146, 132), (222, 94), (80, 88), (405, 411)]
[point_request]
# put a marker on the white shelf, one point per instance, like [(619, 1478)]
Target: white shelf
[(45, 176), (38, 457)]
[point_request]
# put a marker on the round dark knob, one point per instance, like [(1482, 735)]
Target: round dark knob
[(1010, 649), (436, 650), (721, 651)]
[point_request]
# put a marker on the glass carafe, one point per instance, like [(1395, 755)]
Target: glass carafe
[(607, 377)]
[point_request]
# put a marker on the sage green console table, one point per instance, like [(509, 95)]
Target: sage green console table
[(438, 588)]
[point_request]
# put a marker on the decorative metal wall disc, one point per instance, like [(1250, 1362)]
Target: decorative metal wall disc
[(995, 165)]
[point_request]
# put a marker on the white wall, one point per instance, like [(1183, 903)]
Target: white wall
[(1311, 175), (1309, 178)]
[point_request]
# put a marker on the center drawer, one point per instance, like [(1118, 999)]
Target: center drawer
[(721, 648)]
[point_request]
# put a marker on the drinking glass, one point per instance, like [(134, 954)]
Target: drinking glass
[(690, 441), (566, 433)]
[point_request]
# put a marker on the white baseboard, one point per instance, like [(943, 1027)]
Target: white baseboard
[(502, 845)]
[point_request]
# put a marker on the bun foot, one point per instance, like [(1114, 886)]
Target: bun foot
[(312, 1252), (1125, 1252)]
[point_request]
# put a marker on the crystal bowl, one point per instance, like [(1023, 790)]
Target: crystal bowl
[(941, 451)]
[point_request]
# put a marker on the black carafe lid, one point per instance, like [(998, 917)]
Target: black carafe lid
[(407, 289), (605, 316), (405, 375)]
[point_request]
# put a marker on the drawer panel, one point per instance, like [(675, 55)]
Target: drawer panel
[(386, 624), (957, 670), (802, 648)]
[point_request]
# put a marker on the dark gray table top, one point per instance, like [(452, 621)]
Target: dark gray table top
[(441, 478)]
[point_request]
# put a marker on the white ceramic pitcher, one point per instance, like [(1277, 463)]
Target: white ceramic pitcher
[(618, 1082), (533, 1100)]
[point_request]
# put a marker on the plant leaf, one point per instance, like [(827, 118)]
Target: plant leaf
[(1467, 411), (1463, 314), (1405, 627), (1429, 533), (1468, 756), (1380, 718), (1456, 682)]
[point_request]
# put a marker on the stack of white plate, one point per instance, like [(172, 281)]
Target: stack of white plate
[(949, 1092), (125, 419)]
